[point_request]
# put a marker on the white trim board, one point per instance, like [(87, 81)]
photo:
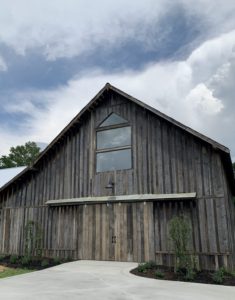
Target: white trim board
[(123, 198)]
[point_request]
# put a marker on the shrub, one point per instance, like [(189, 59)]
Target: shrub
[(179, 234), (14, 259), (159, 274), (190, 274), (143, 267), (45, 263), (68, 259), (227, 272), (26, 260), (33, 238), (3, 257), (56, 260), (218, 276), (38, 252), (150, 264), (185, 263), (232, 273)]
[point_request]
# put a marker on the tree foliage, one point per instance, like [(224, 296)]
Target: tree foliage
[(23, 155)]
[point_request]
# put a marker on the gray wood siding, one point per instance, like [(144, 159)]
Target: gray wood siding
[(166, 159)]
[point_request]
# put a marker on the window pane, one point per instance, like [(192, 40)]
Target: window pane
[(114, 160), (113, 119), (114, 138)]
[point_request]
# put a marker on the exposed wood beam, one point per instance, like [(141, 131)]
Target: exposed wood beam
[(124, 198)]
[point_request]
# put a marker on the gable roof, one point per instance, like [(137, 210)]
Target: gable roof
[(225, 152)]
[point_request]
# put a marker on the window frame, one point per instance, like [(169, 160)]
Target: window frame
[(105, 150)]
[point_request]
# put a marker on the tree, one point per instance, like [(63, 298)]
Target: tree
[(234, 167), (180, 231), (23, 155)]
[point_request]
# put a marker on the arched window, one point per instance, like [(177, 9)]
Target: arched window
[(113, 144)]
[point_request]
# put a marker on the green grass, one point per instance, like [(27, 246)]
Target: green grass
[(12, 272)]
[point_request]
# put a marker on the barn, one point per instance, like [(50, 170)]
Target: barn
[(107, 186)]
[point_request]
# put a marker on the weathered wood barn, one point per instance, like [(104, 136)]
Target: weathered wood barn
[(110, 182)]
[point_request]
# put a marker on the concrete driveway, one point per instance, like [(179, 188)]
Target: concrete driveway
[(103, 280)]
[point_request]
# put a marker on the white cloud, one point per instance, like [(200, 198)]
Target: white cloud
[(201, 99), (3, 65), (20, 106), (68, 28), (198, 91), (212, 55)]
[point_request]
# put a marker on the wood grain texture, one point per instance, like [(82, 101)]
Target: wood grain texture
[(165, 159)]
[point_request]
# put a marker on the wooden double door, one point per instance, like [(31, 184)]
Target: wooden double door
[(137, 231), (116, 231)]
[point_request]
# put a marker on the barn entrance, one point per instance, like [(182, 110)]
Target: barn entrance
[(116, 231), (124, 231)]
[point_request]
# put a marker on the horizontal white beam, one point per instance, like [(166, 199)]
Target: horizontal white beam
[(123, 198)]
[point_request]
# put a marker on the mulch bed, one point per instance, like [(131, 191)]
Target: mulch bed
[(168, 273)]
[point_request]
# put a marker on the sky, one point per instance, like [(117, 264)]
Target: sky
[(177, 56)]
